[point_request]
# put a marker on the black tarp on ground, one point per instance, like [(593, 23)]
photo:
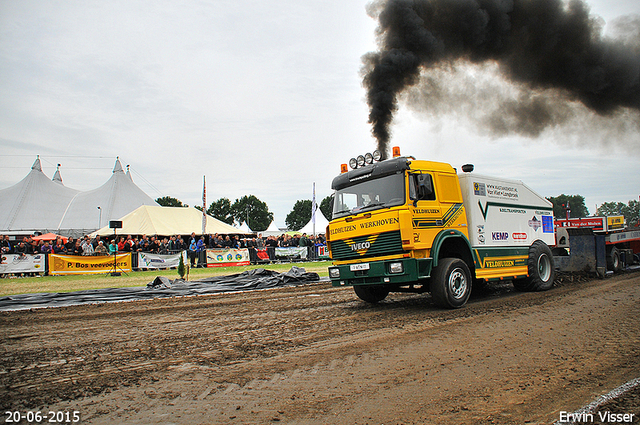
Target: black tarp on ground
[(162, 287)]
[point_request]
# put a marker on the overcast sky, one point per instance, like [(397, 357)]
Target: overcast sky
[(262, 97)]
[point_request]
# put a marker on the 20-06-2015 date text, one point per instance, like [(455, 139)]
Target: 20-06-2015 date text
[(52, 417)]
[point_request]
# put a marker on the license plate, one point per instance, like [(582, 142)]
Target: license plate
[(356, 267)]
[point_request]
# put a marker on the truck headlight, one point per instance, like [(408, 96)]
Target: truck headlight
[(396, 268), (334, 273)]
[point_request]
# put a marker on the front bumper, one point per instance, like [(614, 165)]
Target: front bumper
[(379, 273)]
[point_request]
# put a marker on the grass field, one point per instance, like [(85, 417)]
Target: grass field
[(31, 285)]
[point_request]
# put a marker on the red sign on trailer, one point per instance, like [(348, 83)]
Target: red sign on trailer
[(596, 223)]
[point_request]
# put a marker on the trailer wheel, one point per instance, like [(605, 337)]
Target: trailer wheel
[(540, 268), (371, 293), (613, 260), (451, 283)]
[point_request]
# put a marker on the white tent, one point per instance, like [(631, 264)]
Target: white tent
[(95, 208), (244, 228), (320, 226), (272, 230), (35, 203), (167, 221)]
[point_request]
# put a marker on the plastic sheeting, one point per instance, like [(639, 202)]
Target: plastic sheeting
[(162, 287)]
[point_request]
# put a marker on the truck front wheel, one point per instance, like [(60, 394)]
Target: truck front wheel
[(371, 293), (540, 269), (451, 283)]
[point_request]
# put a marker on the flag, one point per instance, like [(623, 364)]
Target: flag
[(204, 205)]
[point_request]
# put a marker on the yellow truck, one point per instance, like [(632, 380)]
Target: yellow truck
[(406, 225)]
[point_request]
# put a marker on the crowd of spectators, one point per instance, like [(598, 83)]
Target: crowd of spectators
[(152, 244)]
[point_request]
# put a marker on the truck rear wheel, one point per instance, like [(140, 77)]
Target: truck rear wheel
[(613, 260), (451, 283), (540, 269), (371, 293)]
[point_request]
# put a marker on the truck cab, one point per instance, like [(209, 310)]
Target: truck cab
[(403, 225)]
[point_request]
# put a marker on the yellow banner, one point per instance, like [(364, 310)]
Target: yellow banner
[(615, 222), (76, 264)]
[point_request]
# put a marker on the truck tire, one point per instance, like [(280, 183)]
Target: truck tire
[(540, 269), (371, 293), (613, 260), (451, 283)]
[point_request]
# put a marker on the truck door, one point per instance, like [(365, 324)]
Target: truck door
[(425, 209)]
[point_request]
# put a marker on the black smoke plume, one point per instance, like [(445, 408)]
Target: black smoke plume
[(539, 44)]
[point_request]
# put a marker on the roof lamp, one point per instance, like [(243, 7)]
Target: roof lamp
[(368, 158), (377, 155), (396, 151), (353, 163), (360, 160)]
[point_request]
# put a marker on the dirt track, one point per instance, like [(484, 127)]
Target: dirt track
[(317, 354)]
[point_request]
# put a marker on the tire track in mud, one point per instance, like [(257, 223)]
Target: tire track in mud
[(235, 340)]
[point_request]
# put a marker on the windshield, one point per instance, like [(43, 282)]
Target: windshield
[(369, 195)]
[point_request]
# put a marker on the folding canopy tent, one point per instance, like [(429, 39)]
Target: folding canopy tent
[(49, 237), (321, 225)]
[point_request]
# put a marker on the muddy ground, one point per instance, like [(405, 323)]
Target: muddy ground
[(318, 355)]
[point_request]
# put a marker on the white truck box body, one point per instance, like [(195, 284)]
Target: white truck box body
[(505, 213)]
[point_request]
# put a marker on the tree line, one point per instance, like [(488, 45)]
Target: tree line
[(251, 210), (576, 207)]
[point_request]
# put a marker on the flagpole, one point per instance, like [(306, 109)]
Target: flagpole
[(313, 210), (204, 205)]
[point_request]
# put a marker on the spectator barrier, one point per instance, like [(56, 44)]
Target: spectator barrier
[(56, 264)]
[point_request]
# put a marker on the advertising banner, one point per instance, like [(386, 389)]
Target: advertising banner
[(323, 252), (74, 264), (292, 252), (16, 263), (227, 257), (147, 260)]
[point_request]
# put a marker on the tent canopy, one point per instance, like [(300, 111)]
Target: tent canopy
[(49, 237), (37, 204), (34, 203), (321, 225), (167, 221), (95, 208)]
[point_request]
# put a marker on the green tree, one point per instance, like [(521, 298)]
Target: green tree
[(299, 215), (181, 268), (630, 211), (575, 203), (221, 209), (168, 201), (326, 206), (253, 211)]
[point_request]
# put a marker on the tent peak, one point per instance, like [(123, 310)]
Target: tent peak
[(57, 177), (36, 165), (118, 167)]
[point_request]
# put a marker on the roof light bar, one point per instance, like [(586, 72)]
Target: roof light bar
[(366, 159)]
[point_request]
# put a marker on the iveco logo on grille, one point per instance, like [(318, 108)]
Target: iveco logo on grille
[(360, 246)]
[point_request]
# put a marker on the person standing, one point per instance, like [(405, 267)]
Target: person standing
[(87, 247), (113, 247), (193, 246)]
